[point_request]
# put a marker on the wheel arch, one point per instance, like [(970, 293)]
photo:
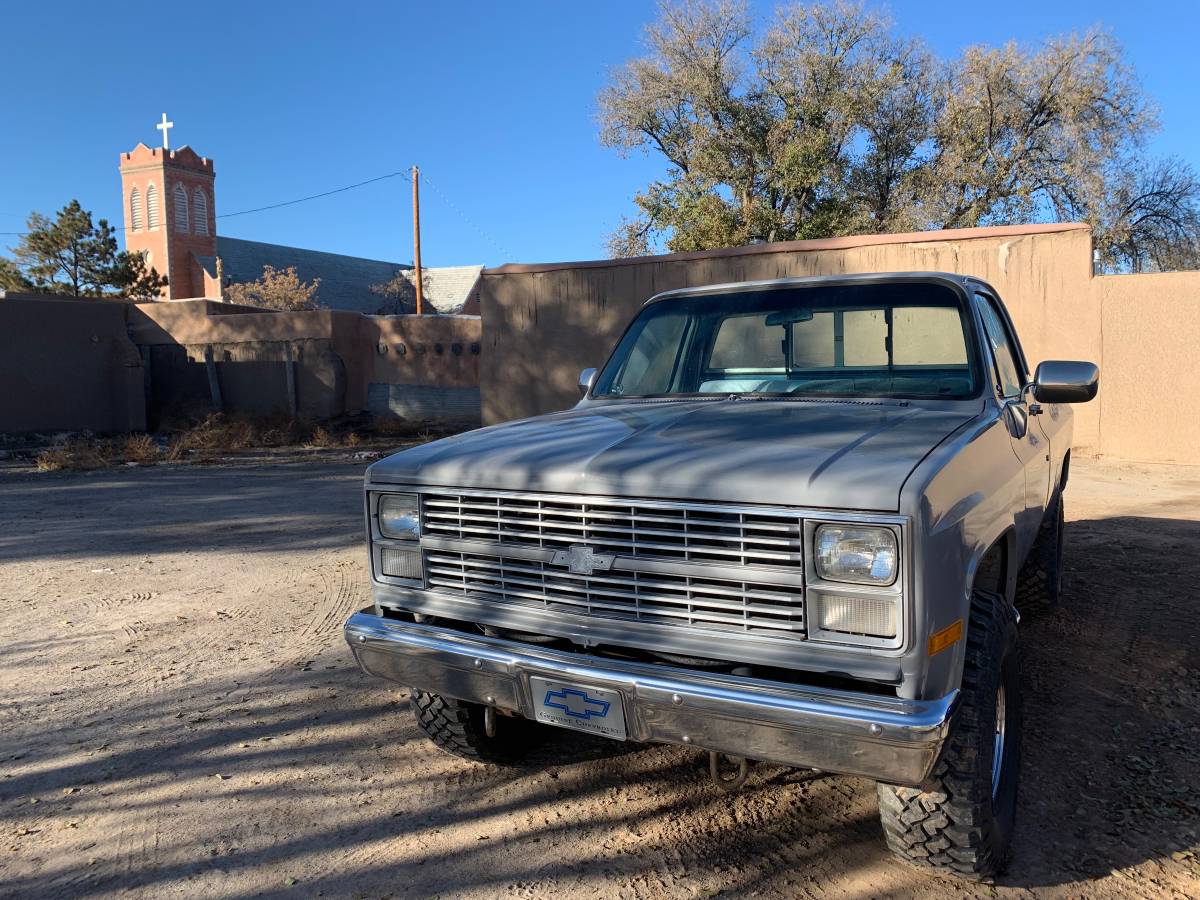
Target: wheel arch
[(995, 567)]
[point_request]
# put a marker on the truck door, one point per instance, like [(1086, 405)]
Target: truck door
[(1028, 440)]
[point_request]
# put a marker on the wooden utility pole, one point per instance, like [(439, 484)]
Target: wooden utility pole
[(416, 175)]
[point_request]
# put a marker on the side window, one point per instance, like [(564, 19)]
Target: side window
[(1007, 369), (650, 368), (747, 343)]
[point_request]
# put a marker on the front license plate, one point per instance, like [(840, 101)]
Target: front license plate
[(598, 710)]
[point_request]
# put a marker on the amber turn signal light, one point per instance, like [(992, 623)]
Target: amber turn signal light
[(940, 640)]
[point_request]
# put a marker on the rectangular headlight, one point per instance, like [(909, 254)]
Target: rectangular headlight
[(399, 516), (856, 554)]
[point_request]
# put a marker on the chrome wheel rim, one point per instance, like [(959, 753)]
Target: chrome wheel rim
[(998, 741)]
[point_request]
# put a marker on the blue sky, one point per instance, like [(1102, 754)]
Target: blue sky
[(495, 102)]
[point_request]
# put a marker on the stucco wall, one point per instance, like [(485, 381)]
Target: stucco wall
[(1151, 349), (542, 324), (67, 365), (341, 359)]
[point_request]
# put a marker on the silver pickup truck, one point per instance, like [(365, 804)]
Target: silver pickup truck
[(793, 521)]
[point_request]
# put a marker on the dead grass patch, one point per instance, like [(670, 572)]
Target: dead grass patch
[(218, 433), (77, 456), (392, 426), (322, 439), (140, 448)]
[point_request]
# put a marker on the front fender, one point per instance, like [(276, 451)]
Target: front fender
[(962, 499)]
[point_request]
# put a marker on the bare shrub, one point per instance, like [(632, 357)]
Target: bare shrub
[(77, 455), (140, 448), (321, 438)]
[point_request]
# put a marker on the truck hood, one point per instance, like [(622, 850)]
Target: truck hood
[(828, 453)]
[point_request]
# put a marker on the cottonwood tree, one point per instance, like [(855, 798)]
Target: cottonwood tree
[(75, 256), (279, 289), (1150, 218), (827, 123)]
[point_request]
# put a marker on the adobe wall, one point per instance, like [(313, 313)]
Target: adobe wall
[(1151, 345), (419, 367), (67, 365), (543, 323)]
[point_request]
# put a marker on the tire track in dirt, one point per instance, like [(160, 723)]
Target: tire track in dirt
[(345, 795), (341, 592)]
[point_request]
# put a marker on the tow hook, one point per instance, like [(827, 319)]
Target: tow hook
[(728, 783), (489, 721)]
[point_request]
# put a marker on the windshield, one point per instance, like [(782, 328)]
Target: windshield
[(900, 339)]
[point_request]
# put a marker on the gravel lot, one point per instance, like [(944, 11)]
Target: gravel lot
[(179, 716)]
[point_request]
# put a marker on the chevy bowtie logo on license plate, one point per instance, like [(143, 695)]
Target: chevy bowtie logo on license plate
[(576, 703), (581, 560), (578, 706)]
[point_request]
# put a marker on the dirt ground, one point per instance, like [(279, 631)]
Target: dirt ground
[(179, 716)]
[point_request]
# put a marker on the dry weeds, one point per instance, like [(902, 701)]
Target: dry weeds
[(321, 439), (218, 435), (78, 455), (140, 448)]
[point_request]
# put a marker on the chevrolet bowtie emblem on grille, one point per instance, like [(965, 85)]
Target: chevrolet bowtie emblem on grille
[(582, 560), (576, 703)]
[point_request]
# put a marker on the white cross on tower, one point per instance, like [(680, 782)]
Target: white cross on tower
[(163, 126)]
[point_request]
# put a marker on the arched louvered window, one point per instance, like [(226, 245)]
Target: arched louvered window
[(181, 208), (200, 212), (153, 212), (135, 210)]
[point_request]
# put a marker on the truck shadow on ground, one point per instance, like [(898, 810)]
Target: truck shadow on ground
[(1112, 721), (320, 776)]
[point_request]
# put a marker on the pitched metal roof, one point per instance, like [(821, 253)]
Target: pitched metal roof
[(346, 281), (447, 288)]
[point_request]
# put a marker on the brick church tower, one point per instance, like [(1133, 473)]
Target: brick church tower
[(170, 213)]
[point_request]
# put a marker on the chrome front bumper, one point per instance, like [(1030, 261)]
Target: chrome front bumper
[(884, 738)]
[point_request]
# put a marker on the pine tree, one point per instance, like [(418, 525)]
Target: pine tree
[(75, 256)]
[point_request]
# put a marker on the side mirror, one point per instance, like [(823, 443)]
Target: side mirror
[(1065, 381), (586, 379)]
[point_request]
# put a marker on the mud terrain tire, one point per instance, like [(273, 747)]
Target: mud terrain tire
[(457, 727), (1039, 583), (961, 820)]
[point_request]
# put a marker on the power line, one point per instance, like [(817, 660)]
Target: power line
[(404, 173), (340, 190), (243, 212), (462, 215)]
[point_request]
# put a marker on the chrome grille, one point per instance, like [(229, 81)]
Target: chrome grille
[(622, 528), (674, 599)]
